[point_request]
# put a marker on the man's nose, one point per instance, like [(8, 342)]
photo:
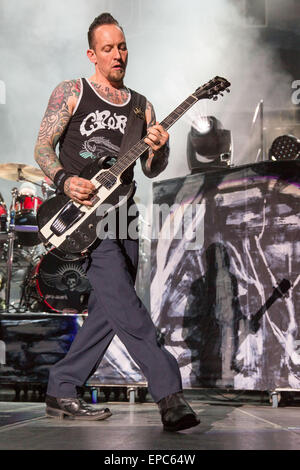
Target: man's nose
[(117, 53)]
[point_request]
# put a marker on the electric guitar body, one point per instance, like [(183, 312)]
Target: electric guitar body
[(84, 231)]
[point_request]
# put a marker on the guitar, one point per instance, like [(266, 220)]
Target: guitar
[(279, 291), (70, 226)]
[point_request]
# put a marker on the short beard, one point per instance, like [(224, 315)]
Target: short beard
[(117, 79)]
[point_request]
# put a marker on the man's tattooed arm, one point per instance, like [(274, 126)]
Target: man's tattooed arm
[(154, 161), (55, 120)]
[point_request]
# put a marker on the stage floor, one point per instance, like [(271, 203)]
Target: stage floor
[(136, 426)]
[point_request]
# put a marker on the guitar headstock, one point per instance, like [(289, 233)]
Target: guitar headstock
[(212, 89)]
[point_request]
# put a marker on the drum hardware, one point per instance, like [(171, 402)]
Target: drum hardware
[(10, 254), (47, 190), (34, 256), (21, 228), (11, 239), (53, 281), (26, 301)]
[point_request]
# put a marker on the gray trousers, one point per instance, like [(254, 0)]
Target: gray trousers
[(114, 308)]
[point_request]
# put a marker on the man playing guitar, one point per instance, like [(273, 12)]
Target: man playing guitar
[(88, 118)]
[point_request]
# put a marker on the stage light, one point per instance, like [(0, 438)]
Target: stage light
[(203, 125), (285, 147), (208, 145)]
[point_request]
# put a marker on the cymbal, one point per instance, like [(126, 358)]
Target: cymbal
[(20, 172)]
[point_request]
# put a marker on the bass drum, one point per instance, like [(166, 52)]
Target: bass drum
[(58, 284)]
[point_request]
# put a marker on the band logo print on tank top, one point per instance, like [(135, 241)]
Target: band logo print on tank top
[(109, 126)]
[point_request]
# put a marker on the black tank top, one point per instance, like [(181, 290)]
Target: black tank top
[(95, 130)]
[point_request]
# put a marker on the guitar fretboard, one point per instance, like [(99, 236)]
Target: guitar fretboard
[(140, 147)]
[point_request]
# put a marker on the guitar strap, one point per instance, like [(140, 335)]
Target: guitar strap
[(136, 126)]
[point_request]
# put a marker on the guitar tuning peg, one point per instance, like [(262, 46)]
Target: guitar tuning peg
[(215, 98), (228, 90)]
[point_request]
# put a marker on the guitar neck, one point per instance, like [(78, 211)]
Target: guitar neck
[(140, 147)]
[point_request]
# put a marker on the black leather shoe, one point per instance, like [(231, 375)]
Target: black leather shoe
[(176, 413), (76, 408)]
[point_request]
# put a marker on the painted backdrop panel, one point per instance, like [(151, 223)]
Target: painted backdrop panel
[(222, 257)]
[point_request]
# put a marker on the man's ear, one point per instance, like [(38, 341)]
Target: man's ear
[(91, 55)]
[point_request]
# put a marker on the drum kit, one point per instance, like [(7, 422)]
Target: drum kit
[(53, 282)]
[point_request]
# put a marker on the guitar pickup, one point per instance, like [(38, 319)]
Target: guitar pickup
[(67, 217)]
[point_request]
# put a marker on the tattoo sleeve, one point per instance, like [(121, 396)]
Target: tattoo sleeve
[(153, 163), (54, 122)]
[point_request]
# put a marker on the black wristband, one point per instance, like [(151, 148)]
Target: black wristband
[(59, 179)]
